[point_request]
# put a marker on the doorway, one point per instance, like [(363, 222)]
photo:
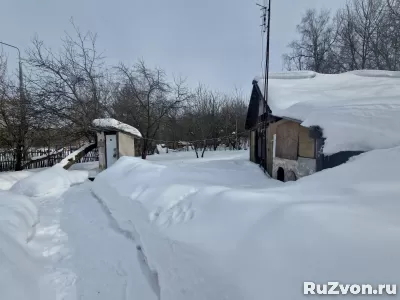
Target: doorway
[(280, 175)]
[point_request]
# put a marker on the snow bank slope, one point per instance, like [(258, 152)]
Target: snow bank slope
[(8, 179), (18, 272), (49, 181), (174, 270), (245, 241)]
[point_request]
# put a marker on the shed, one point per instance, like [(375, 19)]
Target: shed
[(114, 140), (314, 121)]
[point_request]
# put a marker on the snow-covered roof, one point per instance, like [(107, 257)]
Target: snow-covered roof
[(112, 124), (358, 110)]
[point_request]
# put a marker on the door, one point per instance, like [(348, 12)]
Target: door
[(111, 149)]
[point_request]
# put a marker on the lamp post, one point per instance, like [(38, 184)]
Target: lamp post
[(21, 91), (22, 125)]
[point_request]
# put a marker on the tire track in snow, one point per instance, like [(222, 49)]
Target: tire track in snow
[(150, 274)]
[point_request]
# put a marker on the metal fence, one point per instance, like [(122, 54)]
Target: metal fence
[(8, 158)]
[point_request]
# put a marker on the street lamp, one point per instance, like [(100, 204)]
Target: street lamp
[(21, 91), (23, 121)]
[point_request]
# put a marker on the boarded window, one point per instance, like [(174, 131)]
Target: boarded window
[(306, 144), (287, 139)]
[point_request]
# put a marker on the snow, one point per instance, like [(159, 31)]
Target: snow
[(48, 181), (7, 179), (161, 149), (102, 258), (112, 124), (85, 166), (177, 227), (358, 111), (89, 258), (18, 270), (219, 229)]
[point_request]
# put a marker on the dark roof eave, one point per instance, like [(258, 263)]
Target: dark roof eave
[(287, 118)]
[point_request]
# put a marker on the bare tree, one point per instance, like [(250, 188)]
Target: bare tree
[(365, 34), (359, 24), (386, 43), (70, 85), (313, 50), (234, 110), (145, 99), (17, 116), (394, 7)]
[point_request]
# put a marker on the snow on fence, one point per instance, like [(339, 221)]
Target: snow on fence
[(8, 158)]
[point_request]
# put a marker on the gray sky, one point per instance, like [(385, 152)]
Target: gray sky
[(216, 42)]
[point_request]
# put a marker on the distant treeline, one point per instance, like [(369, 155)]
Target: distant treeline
[(364, 34)]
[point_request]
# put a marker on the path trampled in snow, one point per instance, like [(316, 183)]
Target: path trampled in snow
[(104, 261)]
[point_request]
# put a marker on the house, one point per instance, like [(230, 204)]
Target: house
[(313, 121), (114, 140)]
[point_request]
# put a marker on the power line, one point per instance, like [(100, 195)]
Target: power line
[(194, 141)]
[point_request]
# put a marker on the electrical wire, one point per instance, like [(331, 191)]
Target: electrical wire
[(194, 141)]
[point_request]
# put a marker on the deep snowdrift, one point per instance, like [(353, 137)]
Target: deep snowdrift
[(19, 274), (357, 110), (49, 181), (8, 179), (211, 236), (27, 245)]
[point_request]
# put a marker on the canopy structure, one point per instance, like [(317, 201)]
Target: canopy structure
[(110, 124)]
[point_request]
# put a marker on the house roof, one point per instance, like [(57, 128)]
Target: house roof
[(110, 124), (358, 110)]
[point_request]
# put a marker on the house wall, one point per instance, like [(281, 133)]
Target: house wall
[(101, 144), (126, 145), (287, 140), (295, 150), (260, 107), (253, 146), (294, 169), (306, 144), (270, 143)]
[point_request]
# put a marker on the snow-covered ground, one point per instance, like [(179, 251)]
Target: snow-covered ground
[(176, 227), (7, 179)]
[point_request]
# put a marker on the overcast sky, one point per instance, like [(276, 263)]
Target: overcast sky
[(216, 42)]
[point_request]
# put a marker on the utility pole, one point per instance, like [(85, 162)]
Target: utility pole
[(266, 113), (266, 24), (22, 125)]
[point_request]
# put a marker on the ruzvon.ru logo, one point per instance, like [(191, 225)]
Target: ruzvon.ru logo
[(336, 288)]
